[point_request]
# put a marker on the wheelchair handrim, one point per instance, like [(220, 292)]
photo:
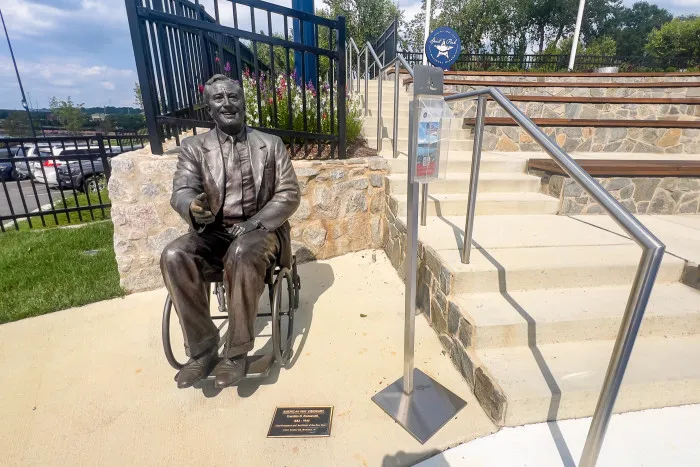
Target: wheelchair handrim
[(282, 355), (165, 331)]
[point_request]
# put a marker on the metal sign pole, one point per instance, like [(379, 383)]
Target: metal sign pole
[(416, 401)]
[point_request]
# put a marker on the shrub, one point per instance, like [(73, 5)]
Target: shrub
[(678, 38)]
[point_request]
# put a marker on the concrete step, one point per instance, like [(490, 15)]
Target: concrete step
[(553, 316), (388, 122), (370, 132), (460, 161), (456, 143), (560, 381), (550, 267), (489, 182), (440, 204)]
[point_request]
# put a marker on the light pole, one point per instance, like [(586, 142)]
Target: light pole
[(24, 99), (577, 33)]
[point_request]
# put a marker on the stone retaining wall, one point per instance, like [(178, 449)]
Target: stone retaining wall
[(640, 195), (685, 112), (582, 91), (613, 78), (593, 139), (340, 211)]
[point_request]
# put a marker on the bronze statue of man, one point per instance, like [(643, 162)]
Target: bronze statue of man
[(236, 188)]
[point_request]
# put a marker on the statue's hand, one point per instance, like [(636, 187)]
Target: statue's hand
[(199, 207), (243, 228)]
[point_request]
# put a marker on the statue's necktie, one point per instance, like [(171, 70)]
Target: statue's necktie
[(240, 201)]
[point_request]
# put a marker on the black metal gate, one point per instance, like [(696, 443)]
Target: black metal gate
[(386, 45), (178, 46)]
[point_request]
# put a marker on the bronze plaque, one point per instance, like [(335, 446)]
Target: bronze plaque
[(301, 422)]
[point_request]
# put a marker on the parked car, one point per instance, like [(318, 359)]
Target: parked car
[(86, 175), (11, 170), (46, 171), (6, 167)]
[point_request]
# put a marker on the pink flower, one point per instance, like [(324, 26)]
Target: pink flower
[(217, 60), (201, 88), (227, 67)]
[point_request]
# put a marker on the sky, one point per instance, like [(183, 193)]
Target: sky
[(82, 48)]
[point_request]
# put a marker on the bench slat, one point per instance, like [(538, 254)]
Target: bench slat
[(623, 168)]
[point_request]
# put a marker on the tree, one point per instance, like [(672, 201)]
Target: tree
[(138, 98), (631, 26), (677, 39), (604, 45), (17, 124), (107, 124), (69, 115), (365, 20)]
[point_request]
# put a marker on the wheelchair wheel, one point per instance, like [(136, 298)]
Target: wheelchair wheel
[(165, 330), (282, 345)]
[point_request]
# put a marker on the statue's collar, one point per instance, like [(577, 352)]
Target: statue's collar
[(242, 135)]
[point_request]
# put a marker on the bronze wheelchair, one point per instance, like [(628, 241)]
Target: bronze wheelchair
[(275, 278)]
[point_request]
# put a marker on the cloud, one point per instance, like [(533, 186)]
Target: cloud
[(48, 76)]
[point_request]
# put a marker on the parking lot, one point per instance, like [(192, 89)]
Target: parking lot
[(12, 189)]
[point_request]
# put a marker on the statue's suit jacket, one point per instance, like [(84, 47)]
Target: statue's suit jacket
[(200, 169)]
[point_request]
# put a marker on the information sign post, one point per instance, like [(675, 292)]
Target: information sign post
[(417, 402)]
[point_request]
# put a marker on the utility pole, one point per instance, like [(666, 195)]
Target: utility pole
[(577, 33), (24, 99)]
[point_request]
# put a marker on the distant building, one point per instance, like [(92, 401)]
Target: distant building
[(98, 117)]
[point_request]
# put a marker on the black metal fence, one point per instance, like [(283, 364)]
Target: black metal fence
[(554, 63), (178, 46), (57, 180), (386, 46)]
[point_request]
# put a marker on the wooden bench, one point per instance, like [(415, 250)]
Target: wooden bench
[(623, 168), (601, 100), (541, 84), (582, 122)]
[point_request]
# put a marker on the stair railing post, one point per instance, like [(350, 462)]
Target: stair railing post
[(366, 77), (352, 87), (395, 134), (424, 204), (379, 111), (474, 178)]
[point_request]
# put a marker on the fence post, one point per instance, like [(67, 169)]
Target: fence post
[(103, 155), (341, 87), (142, 72)]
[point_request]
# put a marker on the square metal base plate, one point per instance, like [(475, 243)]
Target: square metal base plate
[(423, 412)]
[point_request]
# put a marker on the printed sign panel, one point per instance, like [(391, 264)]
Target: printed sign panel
[(443, 47)]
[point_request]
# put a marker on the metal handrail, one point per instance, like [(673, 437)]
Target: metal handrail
[(653, 251), (367, 50)]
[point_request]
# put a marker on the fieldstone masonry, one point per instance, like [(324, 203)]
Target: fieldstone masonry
[(340, 211), (641, 195), (588, 111), (594, 139)]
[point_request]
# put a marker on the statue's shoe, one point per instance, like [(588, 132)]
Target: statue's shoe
[(196, 369), (229, 371)]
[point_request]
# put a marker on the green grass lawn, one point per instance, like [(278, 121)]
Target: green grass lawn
[(75, 216), (52, 269)]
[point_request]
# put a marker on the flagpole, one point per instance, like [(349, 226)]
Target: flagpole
[(577, 33), (426, 32), (19, 80)]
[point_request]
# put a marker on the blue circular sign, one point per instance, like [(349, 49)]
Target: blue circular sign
[(443, 47)]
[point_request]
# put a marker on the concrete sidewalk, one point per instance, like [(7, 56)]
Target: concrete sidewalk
[(650, 438), (91, 386)]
